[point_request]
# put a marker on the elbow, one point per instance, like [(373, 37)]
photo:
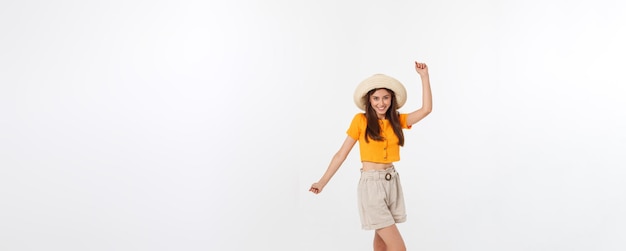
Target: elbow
[(427, 110)]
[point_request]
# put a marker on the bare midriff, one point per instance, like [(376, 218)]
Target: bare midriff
[(369, 166)]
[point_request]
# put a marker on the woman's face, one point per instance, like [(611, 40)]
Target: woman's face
[(381, 101)]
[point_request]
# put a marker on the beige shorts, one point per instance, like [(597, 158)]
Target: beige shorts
[(380, 198)]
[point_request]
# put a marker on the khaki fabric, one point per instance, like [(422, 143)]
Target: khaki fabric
[(380, 199)]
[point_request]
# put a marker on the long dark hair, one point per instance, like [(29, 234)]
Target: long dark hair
[(373, 127)]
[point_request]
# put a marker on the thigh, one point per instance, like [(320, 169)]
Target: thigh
[(392, 238)]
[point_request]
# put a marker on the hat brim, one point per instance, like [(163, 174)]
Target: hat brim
[(379, 81)]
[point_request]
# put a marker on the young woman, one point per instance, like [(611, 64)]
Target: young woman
[(379, 133)]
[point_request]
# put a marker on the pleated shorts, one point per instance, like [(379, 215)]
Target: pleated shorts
[(380, 199)]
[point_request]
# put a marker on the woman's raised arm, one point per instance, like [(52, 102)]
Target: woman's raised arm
[(427, 99)]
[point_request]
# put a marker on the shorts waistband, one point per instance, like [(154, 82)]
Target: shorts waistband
[(386, 174)]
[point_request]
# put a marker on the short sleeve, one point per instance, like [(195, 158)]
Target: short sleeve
[(356, 126), (403, 124)]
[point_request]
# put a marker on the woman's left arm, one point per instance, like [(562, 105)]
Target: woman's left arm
[(427, 99)]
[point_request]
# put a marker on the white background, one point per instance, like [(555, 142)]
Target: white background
[(195, 125)]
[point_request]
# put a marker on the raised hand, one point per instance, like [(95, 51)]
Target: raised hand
[(421, 68)]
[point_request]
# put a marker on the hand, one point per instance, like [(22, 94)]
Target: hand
[(316, 188), (421, 69)]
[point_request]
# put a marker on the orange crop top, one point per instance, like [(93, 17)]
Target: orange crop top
[(386, 151)]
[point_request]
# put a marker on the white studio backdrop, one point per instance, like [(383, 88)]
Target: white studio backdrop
[(200, 125)]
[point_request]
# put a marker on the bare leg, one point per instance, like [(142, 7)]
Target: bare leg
[(379, 244), (391, 237)]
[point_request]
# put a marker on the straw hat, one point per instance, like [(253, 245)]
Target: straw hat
[(379, 81)]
